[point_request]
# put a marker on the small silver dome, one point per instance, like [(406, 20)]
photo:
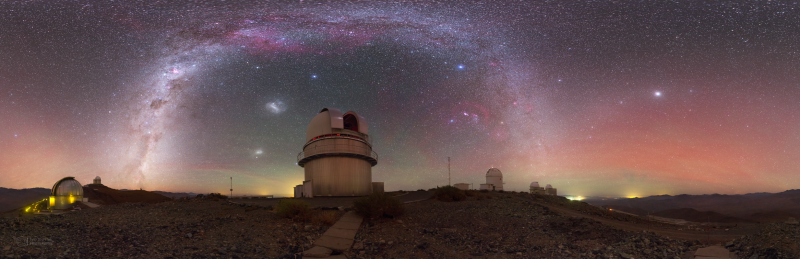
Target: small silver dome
[(67, 187)]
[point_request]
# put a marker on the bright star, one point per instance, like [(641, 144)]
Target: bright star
[(314, 76), (460, 67), (658, 93)]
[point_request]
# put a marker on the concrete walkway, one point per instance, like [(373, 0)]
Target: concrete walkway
[(714, 252), (339, 237), (91, 205)]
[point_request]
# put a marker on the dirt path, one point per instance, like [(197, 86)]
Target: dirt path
[(711, 237)]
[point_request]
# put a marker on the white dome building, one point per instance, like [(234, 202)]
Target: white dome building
[(549, 190), (494, 180), (65, 193), (337, 156), (536, 189), (96, 180)]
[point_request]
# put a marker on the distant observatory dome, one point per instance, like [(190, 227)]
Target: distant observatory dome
[(96, 180), (535, 184), (494, 172), (65, 192), (494, 180), (549, 186)]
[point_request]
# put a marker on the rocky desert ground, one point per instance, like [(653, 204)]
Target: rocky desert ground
[(507, 225)]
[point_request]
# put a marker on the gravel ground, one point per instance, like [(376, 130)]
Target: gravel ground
[(508, 225), (776, 240), (179, 229), (505, 226)]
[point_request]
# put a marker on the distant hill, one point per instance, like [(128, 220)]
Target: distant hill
[(177, 194), (741, 206), (772, 216), (699, 216), (11, 199), (101, 194)]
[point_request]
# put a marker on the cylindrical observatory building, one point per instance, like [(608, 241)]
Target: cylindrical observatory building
[(337, 157)]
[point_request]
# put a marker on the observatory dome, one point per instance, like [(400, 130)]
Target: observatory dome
[(493, 172), (535, 184), (549, 186), (337, 157), (331, 120), (65, 193), (67, 187)]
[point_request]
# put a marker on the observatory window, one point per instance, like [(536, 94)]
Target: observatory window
[(350, 122)]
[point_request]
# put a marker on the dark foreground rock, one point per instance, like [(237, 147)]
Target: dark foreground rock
[(503, 227), (775, 240), (175, 229)]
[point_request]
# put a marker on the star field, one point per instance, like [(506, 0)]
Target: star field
[(602, 98)]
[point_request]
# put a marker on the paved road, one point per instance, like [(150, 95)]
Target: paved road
[(714, 237), (415, 196)]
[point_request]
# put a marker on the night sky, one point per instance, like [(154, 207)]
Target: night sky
[(607, 98)]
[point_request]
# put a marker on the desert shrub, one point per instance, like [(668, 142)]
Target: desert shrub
[(421, 190), (378, 204), (484, 191), (469, 193), (449, 193), (479, 196), (293, 209), (488, 196), (501, 191), (211, 196), (326, 217)]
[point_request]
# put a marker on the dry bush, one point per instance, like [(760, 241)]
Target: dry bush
[(484, 191), (378, 204), (326, 217), (469, 193), (479, 196), (294, 209), (488, 196), (449, 193)]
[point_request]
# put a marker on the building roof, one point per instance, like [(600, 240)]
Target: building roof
[(331, 118), (67, 186), (97, 177), (535, 184), (549, 186), (493, 172)]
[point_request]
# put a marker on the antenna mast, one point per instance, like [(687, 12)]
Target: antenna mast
[(448, 171), (231, 187)]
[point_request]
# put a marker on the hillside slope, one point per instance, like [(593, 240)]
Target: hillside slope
[(101, 194), (11, 199), (694, 215)]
